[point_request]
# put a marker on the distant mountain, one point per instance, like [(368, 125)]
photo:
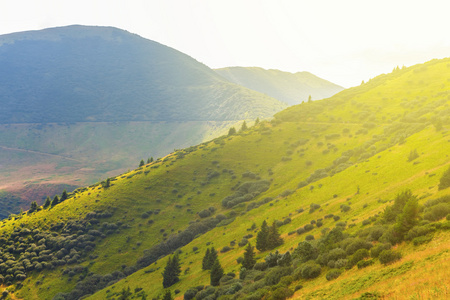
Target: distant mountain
[(79, 103), (291, 88), (80, 73)]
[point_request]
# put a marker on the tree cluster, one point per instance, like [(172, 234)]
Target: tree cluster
[(268, 237)]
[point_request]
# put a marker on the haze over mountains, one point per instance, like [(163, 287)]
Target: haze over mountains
[(284, 86), (81, 103)]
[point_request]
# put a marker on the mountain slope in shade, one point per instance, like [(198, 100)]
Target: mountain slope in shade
[(291, 88), (79, 103)]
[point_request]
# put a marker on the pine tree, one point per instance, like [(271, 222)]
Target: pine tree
[(33, 207), (257, 121), (171, 271), (47, 202), (244, 127), (249, 257), (273, 237), (55, 200), (216, 273), (64, 196), (205, 260), (261, 237), (167, 295), (141, 163), (232, 131), (309, 99), (212, 258), (409, 217)]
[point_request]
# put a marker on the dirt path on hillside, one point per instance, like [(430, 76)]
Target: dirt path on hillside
[(39, 153)]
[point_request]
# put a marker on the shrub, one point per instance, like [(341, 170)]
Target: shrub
[(301, 230), (286, 193), (445, 180), (375, 251), (356, 245), (309, 237), (225, 249), (365, 263), (345, 207), (243, 242), (310, 270), (204, 213), (308, 227), (275, 275), (422, 239), (340, 263), (437, 212), (281, 293), (388, 256), (358, 256), (333, 274)]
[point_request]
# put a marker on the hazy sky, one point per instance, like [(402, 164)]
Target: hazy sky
[(341, 41)]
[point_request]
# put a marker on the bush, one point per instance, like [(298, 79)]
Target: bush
[(388, 256), (356, 245), (333, 274), (204, 213), (281, 293), (275, 275), (375, 251), (365, 263), (358, 256), (422, 239), (309, 237), (340, 263), (437, 212), (310, 270)]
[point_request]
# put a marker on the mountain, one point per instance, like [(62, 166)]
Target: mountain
[(357, 186), (291, 88), (82, 101)]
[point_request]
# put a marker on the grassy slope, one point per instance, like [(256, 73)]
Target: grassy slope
[(381, 175)]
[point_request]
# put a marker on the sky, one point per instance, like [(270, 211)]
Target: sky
[(343, 41)]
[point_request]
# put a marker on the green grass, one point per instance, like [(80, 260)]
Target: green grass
[(379, 170)]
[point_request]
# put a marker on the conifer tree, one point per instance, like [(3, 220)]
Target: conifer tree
[(244, 126), (232, 131), (33, 207), (55, 200), (249, 257), (212, 258), (409, 217), (141, 163), (257, 121), (273, 237), (205, 260), (309, 99), (171, 271), (47, 202), (261, 237), (216, 273), (64, 196)]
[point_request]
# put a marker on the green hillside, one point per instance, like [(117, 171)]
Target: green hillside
[(343, 178), (79, 103), (291, 88)]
